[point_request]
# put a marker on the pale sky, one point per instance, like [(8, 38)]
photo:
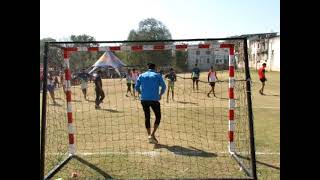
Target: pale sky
[(111, 20)]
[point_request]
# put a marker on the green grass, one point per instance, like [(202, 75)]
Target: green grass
[(192, 124)]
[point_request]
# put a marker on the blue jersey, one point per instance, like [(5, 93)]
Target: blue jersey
[(171, 76), (148, 85), (195, 72)]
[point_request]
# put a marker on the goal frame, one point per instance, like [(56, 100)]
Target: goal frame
[(66, 54)]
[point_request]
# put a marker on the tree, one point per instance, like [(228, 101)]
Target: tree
[(55, 58), (83, 38), (150, 29)]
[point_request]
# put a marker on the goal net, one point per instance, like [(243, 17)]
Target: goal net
[(200, 135)]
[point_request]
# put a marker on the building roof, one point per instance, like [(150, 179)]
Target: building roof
[(258, 35)]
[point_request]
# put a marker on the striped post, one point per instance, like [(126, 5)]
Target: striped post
[(68, 96), (231, 96)]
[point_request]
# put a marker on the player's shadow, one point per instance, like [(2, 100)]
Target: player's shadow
[(91, 100), (179, 150), (76, 100), (56, 104), (221, 98), (271, 95), (111, 110), (186, 102)]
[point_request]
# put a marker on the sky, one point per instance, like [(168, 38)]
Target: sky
[(112, 20)]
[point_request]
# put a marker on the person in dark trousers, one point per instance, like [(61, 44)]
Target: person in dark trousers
[(148, 85), (99, 91)]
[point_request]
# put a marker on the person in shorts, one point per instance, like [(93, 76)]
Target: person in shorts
[(195, 75), (262, 77), (171, 77)]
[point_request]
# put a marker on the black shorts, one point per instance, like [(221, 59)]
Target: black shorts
[(212, 84), (155, 106), (263, 79), (195, 79)]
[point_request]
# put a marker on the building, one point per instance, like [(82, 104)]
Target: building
[(205, 58), (273, 62), (264, 48)]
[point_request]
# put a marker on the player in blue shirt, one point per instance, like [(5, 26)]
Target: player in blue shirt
[(148, 85)]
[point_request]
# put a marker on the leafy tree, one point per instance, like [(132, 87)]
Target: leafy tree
[(55, 58), (150, 29)]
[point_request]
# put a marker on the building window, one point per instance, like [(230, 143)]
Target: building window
[(197, 52), (272, 52), (219, 61), (258, 45), (208, 60), (197, 61), (208, 52)]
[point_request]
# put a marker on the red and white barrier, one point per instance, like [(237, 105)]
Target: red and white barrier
[(143, 47)]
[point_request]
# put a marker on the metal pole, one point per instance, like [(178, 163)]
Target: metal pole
[(44, 110), (248, 88)]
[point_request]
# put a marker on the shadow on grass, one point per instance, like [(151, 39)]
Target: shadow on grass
[(56, 104), (76, 101), (185, 102), (222, 98), (271, 95), (92, 166), (110, 110), (179, 150), (259, 162)]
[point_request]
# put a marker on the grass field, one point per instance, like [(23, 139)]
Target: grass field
[(192, 134)]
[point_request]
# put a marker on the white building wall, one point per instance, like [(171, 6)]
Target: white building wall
[(207, 58), (274, 54), (272, 58)]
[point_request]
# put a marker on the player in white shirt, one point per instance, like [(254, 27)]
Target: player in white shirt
[(134, 78), (212, 78)]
